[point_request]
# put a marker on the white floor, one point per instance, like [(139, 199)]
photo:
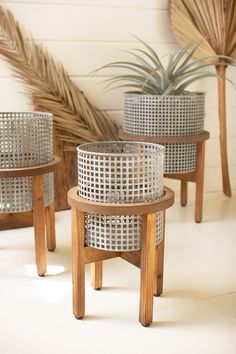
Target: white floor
[(196, 314)]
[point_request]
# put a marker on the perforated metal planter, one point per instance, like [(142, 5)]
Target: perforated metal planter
[(168, 116), (119, 172), (26, 139)]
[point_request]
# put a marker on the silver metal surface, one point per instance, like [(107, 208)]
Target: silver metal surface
[(167, 116), (119, 172), (26, 139)]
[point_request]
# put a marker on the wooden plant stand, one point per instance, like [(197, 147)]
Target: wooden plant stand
[(42, 216), (150, 259), (185, 177)]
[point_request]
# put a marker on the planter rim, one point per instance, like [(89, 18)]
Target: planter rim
[(191, 94), (81, 148)]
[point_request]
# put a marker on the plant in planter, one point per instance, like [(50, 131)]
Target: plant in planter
[(159, 104)]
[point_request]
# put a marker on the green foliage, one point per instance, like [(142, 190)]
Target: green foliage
[(147, 75)]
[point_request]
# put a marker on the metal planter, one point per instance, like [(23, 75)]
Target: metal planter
[(26, 139), (160, 116), (119, 172)]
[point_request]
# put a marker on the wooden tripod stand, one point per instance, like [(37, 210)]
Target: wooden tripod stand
[(43, 216), (149, 259)]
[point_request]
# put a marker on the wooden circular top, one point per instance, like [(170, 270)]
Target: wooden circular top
[(165, 139), (32, 170), (88, 206)]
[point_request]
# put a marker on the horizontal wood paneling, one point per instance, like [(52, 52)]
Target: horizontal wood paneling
[(153, 4), (71, 22)]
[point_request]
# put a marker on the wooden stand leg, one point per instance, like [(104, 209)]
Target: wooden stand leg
[(147, 268), (39, 223), (78, 265), (159, 268), (199, 181), (96, 273), (184, 193), (50, 226)]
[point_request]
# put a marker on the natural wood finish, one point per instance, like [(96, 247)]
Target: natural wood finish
[(165, 139), (147, 268), (199, 182), (50, 226), (183, 193), (15, 220), (132, 257), (66, 177), (32, 170), (144, 259), (78, 264), (96, 275), (187, 176), (94, 255), (39, 223), (159, 267), (120, 209), (221, 70)]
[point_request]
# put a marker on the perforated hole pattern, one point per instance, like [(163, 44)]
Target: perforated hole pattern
[(119, 172), (26, 139), (167, 116)]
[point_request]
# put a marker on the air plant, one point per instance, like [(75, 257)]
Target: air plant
[(147, 75)]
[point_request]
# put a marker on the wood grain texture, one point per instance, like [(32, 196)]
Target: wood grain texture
[(120, 209), (66, 177), (39, 224), (78, 265), (50, 226), (147, 268), (32, 170), (165, 139), (132, 257), (199, 181), (96, 275), (221, 70), (94, 255), (159, 265), (183, 193)]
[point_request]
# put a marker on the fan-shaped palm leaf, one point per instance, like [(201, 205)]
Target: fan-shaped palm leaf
[(213, 21)]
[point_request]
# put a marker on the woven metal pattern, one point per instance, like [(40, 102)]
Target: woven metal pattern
[(167, 116), (119, 172), (26, 139)]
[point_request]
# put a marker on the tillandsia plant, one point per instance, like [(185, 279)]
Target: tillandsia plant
[(148, 76)]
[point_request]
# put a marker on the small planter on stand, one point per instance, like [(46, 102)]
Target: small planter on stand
[(26, 178), (117, 209), (176, 122)]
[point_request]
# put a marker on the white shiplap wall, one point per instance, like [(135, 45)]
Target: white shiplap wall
[(84, 35)]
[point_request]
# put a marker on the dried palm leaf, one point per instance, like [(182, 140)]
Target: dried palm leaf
[(51, 88), (214, 21)]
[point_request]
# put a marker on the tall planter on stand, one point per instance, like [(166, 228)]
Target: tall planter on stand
[(177, 122), (159, 109)]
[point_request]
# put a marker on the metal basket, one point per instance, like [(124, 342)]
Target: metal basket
[(119, 172), (26, 139), (152, 115)]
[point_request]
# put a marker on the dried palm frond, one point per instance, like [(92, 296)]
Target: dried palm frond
[(51, 88), (214, 21)]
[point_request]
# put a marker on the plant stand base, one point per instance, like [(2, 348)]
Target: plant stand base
[(196, 177), (43, 217), (149, 259)]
